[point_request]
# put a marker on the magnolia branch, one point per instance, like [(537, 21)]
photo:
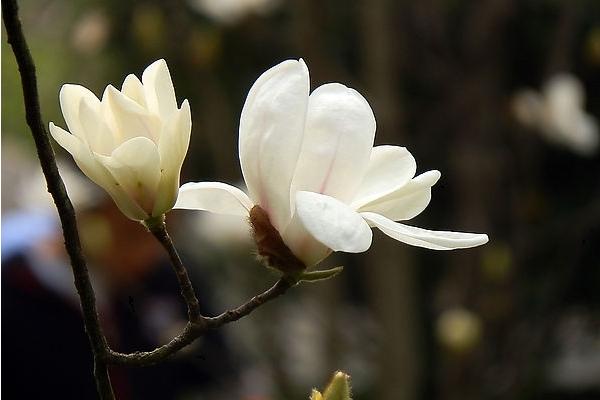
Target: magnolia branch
[(56, 188), (194, 330), (197, 325), (159, 230)]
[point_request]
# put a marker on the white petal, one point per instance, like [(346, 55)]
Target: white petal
[(271, 132), (133, 88), (70, 99), (303, 244), (338, 138), (215, 197), (158, 87), (132, 120), (435, 240), (564, 91), (172, 147), (333, 223), (97, 133), (70, 143), (135, 165), (390, 168), (408, 201), (175, 138), (94, 170)]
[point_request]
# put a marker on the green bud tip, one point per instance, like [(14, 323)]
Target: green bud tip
[(316, 395), (338, 388)]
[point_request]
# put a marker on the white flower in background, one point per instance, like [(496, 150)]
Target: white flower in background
[(231, 11), (132, 143), (313, 174), (558, 113)]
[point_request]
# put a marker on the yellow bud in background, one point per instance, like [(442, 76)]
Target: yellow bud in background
[(458, 330)]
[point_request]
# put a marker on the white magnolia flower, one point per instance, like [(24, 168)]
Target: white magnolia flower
[(558, 113), (310, 165), (132, 142), (231, 11)]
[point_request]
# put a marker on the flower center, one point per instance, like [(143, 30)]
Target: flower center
[(271, 246)]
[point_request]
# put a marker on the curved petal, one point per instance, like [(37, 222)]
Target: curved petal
[(98, 135), (159, 91), (70, 98), (408, 201), (271, 132), (133, 88), (172, 147), (70, 143), (303, 244), (89, 165), (435, 240), (390, 168), (135, 165), (333, 223), (131, 119), (215, 197), (338, 138)]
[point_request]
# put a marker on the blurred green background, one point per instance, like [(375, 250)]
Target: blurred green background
[(518, 318)]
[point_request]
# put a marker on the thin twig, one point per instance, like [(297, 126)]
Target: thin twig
[(57, 190), (159, 229), (279, 288), (194, 330)]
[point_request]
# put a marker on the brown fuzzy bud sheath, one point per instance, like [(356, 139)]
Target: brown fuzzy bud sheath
[(270, 245)]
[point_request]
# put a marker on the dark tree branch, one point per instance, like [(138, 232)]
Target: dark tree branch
[(194, 330), (158, 228), (57, 190), (279, 288)]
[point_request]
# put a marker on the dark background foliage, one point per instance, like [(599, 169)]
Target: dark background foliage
[(518, 318)]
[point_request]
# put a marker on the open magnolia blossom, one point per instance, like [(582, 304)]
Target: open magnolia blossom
[(312, 171), (132, 143), (230, 12)]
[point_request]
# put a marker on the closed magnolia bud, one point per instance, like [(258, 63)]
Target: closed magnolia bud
[(132, 143)]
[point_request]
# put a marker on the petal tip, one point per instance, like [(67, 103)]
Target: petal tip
[(159, 64), (129, 78), (110, 93), (69, 86), (303, 64), (185, 104)]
